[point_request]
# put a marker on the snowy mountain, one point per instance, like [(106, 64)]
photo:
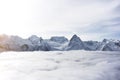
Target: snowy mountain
[(39, 43), (15, 43), (57, 39), (110, 45), (35, 40), (34, 43), (75, 43), (91, 45)]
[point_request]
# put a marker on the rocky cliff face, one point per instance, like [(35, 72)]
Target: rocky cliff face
[(57, 39), (75, 43)]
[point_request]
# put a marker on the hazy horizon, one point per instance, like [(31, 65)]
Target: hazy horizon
[(89, 19)]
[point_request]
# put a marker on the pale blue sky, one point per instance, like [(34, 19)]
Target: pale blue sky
[(89, 19)]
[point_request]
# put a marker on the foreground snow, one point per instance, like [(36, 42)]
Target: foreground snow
[(67, 65)]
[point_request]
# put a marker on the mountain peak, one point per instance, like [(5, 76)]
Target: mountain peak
[(75, 43), (75, 38)]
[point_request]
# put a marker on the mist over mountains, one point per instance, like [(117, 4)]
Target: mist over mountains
[(55, 43)]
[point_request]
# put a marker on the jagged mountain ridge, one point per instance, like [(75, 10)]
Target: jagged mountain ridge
[(34, 43)]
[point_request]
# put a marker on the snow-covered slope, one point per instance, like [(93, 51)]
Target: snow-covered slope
[(75, 43), (34, 43), (16, 43), (91, 45), (58, 39), (109, 45), (61, 65), (35, 40)]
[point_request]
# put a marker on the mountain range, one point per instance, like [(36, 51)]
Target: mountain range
[(55, 43)]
